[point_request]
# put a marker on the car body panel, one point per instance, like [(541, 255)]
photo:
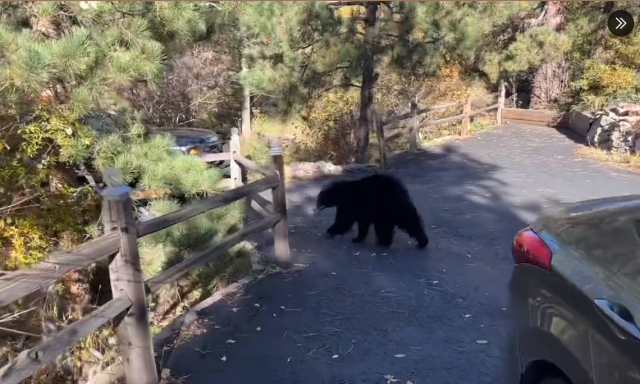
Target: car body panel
[(560, 315), (605, 239), (546, 329), (610, 365), (203, 140)]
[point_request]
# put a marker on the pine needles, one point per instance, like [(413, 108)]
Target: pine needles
[(88, 52)]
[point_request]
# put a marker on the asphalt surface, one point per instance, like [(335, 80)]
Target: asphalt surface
[(356, 313)]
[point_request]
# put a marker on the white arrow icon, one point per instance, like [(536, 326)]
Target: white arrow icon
[(621, 22)]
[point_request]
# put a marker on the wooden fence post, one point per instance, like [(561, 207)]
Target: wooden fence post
[(235, 170), (125, 273), (281, 229), (466, 122), (501, 97), (413, 130)]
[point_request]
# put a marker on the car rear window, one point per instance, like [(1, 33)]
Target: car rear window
[(611, 241), (184, 140)]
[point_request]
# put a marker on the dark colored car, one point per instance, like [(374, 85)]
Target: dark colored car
[(195, 141), (575, 295)]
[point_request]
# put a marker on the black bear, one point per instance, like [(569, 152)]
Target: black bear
[(381, 200)]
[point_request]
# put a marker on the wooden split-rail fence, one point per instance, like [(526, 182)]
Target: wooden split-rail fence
[(128, 308), (415, 125)]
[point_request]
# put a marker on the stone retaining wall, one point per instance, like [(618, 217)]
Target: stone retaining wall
[(615, 130)]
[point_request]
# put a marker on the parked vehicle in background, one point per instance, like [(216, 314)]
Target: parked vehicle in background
[(197, 141), (575, 294)]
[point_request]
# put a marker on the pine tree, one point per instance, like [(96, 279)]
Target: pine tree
[(71, 59), (294, 50), (80, 55), (517, 43), (557, 54), (604, 68), (318, 46)]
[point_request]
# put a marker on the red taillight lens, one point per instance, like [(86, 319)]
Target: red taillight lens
[(528, 248)]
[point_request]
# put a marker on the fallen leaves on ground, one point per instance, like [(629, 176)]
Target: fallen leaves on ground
[(167, 378)]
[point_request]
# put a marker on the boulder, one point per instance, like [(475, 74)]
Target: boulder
[(602, 121), (618, 139), (625, 126), (634, 109), (619, 111), (614, 130)]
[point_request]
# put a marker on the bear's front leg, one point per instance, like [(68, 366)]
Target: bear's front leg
[(343, 223)]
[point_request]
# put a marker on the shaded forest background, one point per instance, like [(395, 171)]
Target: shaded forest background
[(81, 83)]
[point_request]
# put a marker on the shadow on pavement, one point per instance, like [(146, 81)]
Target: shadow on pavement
[(357, 313), (572, 135)]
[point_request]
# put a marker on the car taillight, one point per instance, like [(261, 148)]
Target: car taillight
[(528, 248)]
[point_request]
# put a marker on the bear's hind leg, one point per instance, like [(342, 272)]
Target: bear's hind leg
[(384, 233), (363, 231)]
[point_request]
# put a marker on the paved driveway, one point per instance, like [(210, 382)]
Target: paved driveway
[(356, 313)]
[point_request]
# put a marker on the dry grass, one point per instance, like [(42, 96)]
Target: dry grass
[(291, 131), (66, 302), (295, 142), (618, 159), (435, 135)]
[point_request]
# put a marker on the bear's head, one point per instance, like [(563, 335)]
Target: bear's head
[(328, 197)]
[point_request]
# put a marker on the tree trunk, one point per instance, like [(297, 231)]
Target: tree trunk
[(602, 25), (245, 128), (368, 84), (551, 79)]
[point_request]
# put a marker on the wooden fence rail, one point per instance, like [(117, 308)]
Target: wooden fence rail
[(128, 308), (412, 131), (532, 117)]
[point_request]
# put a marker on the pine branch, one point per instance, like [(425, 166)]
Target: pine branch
[(341, 85), (84, 172), (123, 12), (17, 205), (305, 66), (337, 68), (350, 3), (302, 48)]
